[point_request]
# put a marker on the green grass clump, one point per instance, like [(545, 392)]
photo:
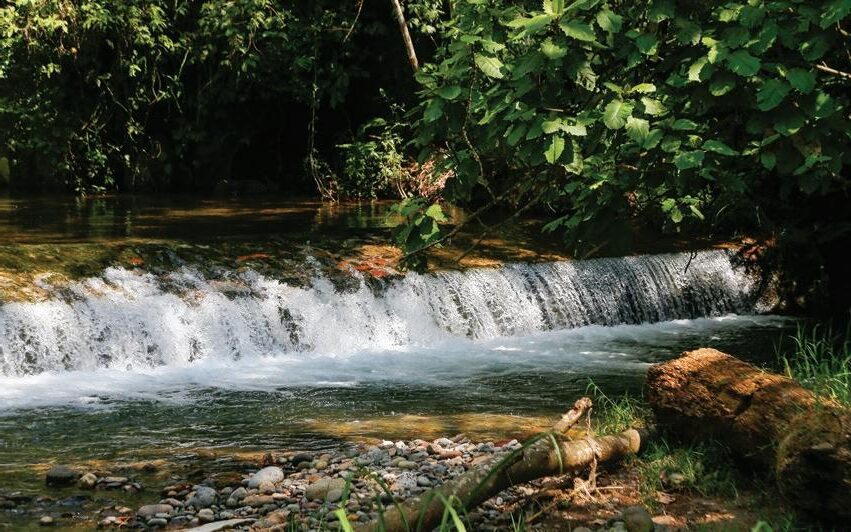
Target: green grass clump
[(821, 361), (702, 468), (612, 415)]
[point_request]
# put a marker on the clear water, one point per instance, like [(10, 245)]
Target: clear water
[(129, 365)]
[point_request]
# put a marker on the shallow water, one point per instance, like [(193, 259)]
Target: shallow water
[(127, 364)]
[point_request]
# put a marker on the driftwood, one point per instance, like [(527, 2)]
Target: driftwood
[(767, 419), (541, 458)]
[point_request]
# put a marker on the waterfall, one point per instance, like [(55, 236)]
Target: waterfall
[(128, 319)]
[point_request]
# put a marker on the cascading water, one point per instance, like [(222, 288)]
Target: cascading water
[(128, 320)]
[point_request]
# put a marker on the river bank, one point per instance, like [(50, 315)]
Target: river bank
[(287, 490)]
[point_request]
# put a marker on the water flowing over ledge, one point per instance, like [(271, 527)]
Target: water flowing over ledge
[(129, 320)]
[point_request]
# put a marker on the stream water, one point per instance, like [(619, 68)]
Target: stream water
[(135, 364)]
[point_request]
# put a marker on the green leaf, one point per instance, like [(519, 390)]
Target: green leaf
[(771, 94), (647, 43), (721, 85), (532, 24), (609, 21), (689, 159), (751, 16), (814, 47), (489, 65), (653, 107), (449, 92), (555, 149), (695, 69), (653, 138), (694, 210), (616, 113), (716, 146), (554, 7), (433, 110), (801, 80), (660, 10), (643, 88), (553, 50), (638, 130), (768, 160), (742, 63), (684, 124), (578, 30), (834, 12), (435, 212)]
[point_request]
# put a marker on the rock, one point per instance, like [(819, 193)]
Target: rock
[(88, 481), (273, 474), (319, 489), (150, 510), (222, 525), (320, 464), (405, 482), (266, 487), (239, 493), (206, 515), (115, 481), (204, 497), (157, 521), (334, 495), (46, 521), (256, 501), (423, 481), (61, 475), (406, 464), (582, 529), (637, 519), (301, 457)]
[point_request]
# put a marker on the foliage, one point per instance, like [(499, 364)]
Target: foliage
[(372, 164), (683, 115), (703, 468), (98, 95), (613, 415), (821, 361)]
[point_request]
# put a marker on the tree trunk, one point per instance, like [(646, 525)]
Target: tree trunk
[(406, 35), (538, 460), (768, 419)]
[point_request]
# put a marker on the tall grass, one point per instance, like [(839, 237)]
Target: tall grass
[(820, 360)]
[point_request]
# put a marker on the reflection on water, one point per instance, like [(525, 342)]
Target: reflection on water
[(64, 219)]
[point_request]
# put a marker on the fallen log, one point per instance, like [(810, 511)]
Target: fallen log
[(765, 418), (550, 454)]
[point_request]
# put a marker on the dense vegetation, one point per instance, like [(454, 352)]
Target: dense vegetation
[(713, 119)]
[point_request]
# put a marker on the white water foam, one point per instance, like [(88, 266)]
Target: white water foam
[(129, 321)]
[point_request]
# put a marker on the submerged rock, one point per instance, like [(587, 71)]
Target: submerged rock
[(88, 481), (61, 475)]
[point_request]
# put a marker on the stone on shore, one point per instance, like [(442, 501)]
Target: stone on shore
[(271, 474), (61, 475), (319, 490)]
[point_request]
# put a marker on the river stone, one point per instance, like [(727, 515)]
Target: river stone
[(157, 521), (637, 519), (271, 474), (150, 510), (206, 515), (319, 489), (46, 521), (405, 482), (88, 481), (204, 497), (61, 475), (257, 501), (266, 487), (334, 495), (222, 525)]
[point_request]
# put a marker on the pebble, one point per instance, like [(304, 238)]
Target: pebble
[(204, 497), (637, 519), (46, 521), (157, 521), (206, 515), (88, 481), (150, 510), (319, 489), (271, 474)]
